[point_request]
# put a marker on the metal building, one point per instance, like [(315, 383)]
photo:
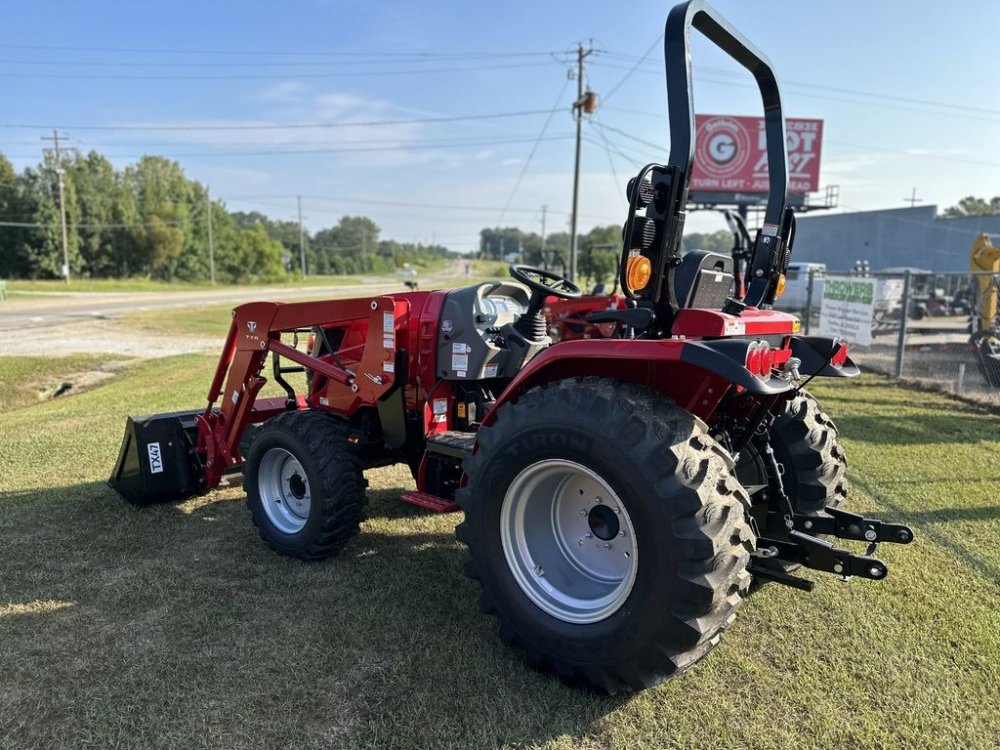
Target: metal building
[(892, 238)]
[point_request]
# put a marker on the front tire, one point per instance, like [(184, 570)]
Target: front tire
[(620, 600), (305, 486)]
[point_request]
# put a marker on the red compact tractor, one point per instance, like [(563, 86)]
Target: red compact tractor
[(621, 496)]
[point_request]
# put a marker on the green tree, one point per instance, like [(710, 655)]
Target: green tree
[(600, 250), (106, 209), (163, 197), (973, 206), (349, 247)]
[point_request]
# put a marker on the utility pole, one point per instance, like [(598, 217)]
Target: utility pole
[(545, 263), (364, 248), (211, 244), (302, 238), (585, 102), (913, 200), (60, 172)]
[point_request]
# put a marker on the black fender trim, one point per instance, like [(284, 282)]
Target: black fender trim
[(815, 353), (727, 358)]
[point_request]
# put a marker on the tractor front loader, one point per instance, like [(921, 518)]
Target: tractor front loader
[(621, 496)]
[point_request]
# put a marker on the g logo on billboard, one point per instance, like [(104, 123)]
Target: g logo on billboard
[(722, 147)]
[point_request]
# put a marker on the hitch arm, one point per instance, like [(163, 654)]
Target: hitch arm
[(844, 525), (822, 555)]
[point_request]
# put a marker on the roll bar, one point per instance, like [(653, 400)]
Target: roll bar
[(663, 197)]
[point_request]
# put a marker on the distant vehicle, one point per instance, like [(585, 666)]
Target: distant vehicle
[(796, 295), (407, 272)]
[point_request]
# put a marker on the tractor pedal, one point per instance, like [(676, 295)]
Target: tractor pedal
[(452, 443), (431, 502)]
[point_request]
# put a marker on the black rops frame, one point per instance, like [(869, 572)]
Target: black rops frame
[(670, 183)]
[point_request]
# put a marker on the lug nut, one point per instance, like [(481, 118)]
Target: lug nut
[(539, 571)]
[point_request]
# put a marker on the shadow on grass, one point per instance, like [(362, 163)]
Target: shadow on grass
[(927, 520), (184, 619), (946, 515), (954, 426)]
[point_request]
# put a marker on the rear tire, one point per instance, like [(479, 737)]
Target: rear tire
[(805, 439), (305, 485), (805, 443), (616, 623)]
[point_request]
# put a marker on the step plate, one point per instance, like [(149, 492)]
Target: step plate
[(431, 502)]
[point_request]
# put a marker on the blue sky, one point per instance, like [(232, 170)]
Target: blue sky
[(242, 71)]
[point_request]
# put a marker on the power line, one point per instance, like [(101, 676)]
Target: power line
[(276, 53), (534, 148), (886, 149), (412, 146), (811, 93), (294, 126), (628, 75), (269, 76), (257, 200), (250, 64), (607, 150), (825, 87)]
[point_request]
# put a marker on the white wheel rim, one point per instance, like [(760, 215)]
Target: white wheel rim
[(284, 491), (568, 541)]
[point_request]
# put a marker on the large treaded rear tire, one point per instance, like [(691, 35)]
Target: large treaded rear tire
[(692, 534), (805, 441), (334, 475)]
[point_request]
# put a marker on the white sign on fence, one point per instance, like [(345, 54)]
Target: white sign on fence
[(847, 308)]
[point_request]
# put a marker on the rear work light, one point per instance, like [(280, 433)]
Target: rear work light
[(760, 359), (839, 354)]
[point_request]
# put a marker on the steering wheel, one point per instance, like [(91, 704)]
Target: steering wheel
[(534, 279)]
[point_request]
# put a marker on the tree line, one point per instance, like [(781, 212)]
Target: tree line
[(150, 220)]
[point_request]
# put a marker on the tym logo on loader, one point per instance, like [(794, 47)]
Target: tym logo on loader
[(622, 496)]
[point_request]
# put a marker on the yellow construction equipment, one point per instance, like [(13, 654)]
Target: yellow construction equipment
[(985, 263)]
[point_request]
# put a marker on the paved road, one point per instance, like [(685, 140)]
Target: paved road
[(44, 310)]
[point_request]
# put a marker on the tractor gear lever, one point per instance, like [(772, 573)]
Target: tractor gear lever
[(531, 324)]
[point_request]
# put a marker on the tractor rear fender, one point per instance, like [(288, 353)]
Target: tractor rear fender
[(695, 374)]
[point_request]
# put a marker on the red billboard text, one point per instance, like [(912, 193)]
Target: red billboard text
[(730, 154)]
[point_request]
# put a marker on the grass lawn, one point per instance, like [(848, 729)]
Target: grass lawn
[(150, 285), (176, 627)]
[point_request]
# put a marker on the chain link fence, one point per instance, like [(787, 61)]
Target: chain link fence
[(939, 330)]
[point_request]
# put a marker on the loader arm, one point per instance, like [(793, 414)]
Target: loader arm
[(255, 333)]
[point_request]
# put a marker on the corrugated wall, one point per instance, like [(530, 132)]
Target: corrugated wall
[(891, 238)]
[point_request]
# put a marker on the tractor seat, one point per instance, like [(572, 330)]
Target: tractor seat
[(703, 280)]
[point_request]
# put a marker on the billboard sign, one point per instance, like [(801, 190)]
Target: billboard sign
[(730, 154)]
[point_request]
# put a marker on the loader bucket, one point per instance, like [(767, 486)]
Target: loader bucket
[(157, 462)]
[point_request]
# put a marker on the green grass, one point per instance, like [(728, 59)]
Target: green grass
[(206, 320), (175, 626), (25, 381)]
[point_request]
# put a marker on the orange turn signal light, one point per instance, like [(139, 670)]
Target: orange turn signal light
[(638, 272), (780, 289)]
